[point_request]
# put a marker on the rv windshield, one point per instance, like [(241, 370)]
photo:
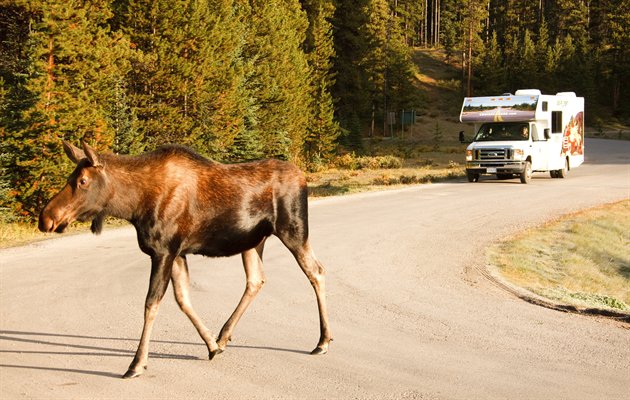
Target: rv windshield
[(502, 131)]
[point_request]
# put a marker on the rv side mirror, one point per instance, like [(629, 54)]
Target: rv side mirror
[(547, 133), (462, 139)]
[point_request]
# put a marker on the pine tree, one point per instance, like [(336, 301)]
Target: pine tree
[(474, 14), (510, 18), (449, 30), (543, 58), (219, 103), (375, 62), (570, 19), (373, 65), (277, 83), (526, 70), (123, 120), (410, 16), (491, 70), (14, 97), (511, 53), (566, 52), (185, 82), (71, 60), (615, 60), (400, 71), (322, 130), (354, 107)]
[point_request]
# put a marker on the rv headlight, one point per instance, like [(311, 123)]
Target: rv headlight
[(519, 154), (469, 155)]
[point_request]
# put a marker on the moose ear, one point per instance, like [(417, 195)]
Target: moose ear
[(73, 152), (91, 155)]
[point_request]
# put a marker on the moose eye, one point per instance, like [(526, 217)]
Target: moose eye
[(82, 182)]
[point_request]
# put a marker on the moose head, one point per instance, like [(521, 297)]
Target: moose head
[(83, 198)]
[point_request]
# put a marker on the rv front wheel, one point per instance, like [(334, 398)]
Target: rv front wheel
[(472, 177), (526, 176)]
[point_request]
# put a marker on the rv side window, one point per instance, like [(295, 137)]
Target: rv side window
[(556, 122), (535, 137)]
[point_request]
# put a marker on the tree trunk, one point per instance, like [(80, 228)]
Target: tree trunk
[(470, 37), (437, 23), (426, 22)]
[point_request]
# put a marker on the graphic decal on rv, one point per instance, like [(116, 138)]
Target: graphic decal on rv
[(573, 138), (499, 108)]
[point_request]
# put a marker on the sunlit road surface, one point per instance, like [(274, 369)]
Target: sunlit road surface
[(412, 315)]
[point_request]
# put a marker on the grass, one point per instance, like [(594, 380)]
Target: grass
[(581, 259), (350, 174), (17, 233), (338, 182)]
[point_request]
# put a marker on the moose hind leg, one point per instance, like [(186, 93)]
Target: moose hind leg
[(315, 273), (160, 273), (252, 262), (181, 284)]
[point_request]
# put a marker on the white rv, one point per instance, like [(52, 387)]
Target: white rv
[(518, 134)]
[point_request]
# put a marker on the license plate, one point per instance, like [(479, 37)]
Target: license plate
[(491, 170)]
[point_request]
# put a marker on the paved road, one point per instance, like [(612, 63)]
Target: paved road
[(413, 317)]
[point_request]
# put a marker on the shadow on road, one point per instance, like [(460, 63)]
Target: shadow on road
[(77, 371), (70, 349)]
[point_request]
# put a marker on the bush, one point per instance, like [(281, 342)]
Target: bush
[(346, 161), (385, 180), (408, 179), (390, 162), (351, 161)]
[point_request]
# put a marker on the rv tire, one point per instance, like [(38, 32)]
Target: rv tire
[(526, 175), (562, 173), (472, 177)]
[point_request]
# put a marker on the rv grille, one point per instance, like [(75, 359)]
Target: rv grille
[(493, 154)]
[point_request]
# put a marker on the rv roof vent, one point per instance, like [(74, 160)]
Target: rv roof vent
[(566, 94), (528, 92), (506, 94)]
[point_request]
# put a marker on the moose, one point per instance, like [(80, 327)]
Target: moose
[(181, 203)]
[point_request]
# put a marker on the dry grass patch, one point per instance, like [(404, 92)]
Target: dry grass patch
[(15, 234), (581, 259), (360, 174)]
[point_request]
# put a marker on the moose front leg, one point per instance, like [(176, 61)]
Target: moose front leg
[(161, 267)]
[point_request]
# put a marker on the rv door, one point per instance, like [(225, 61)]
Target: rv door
[(540, 149)]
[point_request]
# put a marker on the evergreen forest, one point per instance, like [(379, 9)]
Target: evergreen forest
[(240, 80)]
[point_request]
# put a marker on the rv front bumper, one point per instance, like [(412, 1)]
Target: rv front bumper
[(516, 167)]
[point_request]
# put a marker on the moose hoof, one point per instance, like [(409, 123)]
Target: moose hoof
[(212, 354), (319, 350), (133, 373)]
